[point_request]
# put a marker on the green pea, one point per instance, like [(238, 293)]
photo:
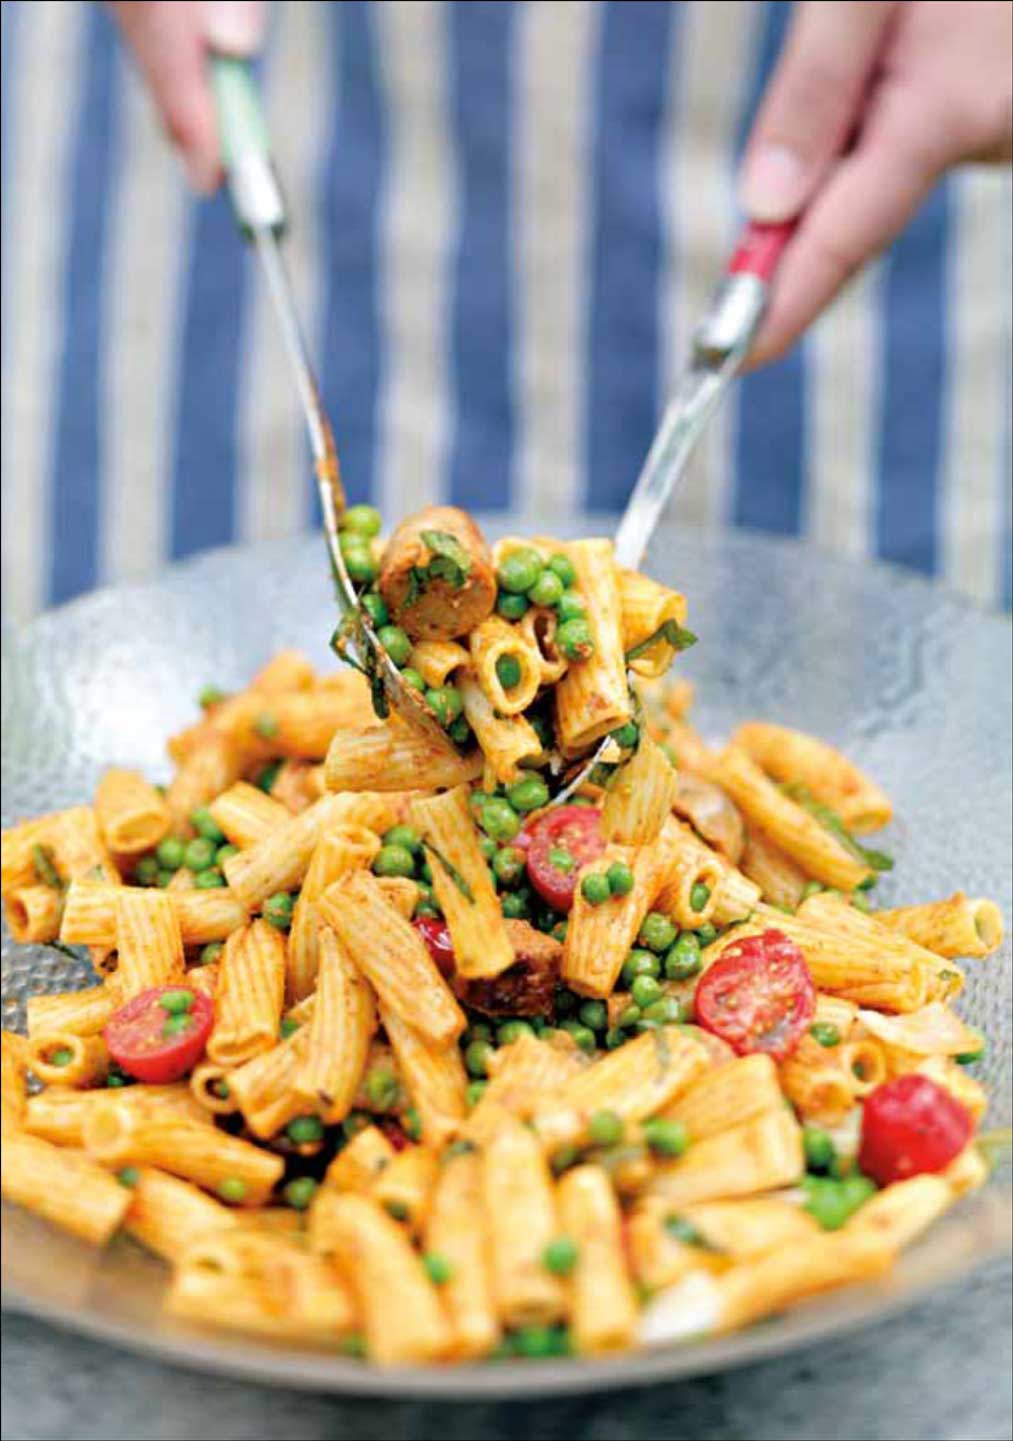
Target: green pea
[(508, 865), (169, 853), (355, 1122), (288, 1027), (445, 702), (582, 1036), (278, 910), (146, 871), (488, 847), (499, 819), (411, 1124), (657, 932), (411, 677), (176, 1001), (529, 794), (268, 776), (396, 643), (438, 1268), (511, 1031), (478, 1031), (620, 878), (303, 1129), (519, 570), (475, 1092), (376, 608), (614, 1038), (205, 825), (511, 607), (508, 671), (199, 854), (361, 564), (211, 879), (535, 1342), (826, 1033), (221, 1089), (477, 1056), (266, 726), (560, 859), (595, 888), (225, 853), (209, 696), (165, 878), (460, 731), (640, 963), (299, 1193), (567, 1002), (573, 639), (406, 836), (547, 589), (818, 1147), (210, 953), (665, 1138), (362, 520), (560, 1255), (627, 736), (645, 991), (394, 860), (571, 607), (232, 1189), (382, 1087), (699, 896), (605, 1128), (61, 1056), (665, 1011), (177, 1025), (562, 566), (128, 1176), (831, 1202), (516, 905), (811, 888), (594, 1015), (683, 959), (629, 1017)]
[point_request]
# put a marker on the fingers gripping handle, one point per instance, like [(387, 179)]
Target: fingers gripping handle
[(760, 248), (257, 200)]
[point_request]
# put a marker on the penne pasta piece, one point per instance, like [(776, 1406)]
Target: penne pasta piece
[(13, 1068), (520, 1211), (338, 851), (435, 1078), (247, 814), (62, 1186), (34, 913), (59, 1114), (815, 849), (360, 1164), (640, 796), (167, 1215), (603, 1309), (781, 881), (401, 1311), (235, 1169), (338, 1035), (733, 900), (149, 944), (455, 1231), (956, 927), (864, 1062), (463, 884), (436, 660), (760, 1155), (295, 785), (132, 815), (593, 698), (506, 742), (62, 1058), (394, 757), (638, 1080), (727, 1096), (404, 1187), (496, 645), (790, 756), (646, 606), (392, 956), (522, 1073), (249, 995)]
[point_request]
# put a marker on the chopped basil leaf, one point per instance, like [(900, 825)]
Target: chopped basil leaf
[(452, 872), (42, 861), (831, 821), (448, 549), (671, 632)]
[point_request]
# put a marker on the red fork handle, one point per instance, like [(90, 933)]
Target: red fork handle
[(760, 248)]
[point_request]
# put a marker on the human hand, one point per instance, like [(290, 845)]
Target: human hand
[(170, 42), (869, 105)]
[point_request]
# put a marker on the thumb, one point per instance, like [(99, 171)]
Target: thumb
[(811, 105), (235, 27)]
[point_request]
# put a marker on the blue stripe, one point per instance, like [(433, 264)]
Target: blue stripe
[(350, 185), (77, 459), (626, 245), (482, 39), (913, 367), (771, 435)]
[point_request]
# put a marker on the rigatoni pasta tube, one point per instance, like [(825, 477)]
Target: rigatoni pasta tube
[(539, 626), (339, 1033), (818, 851), (281, 859), (816, 1082), (18, 850), (435, 1078), (760, 1155), (690, 893), (132, 815), (463, 884), (392, 955), (61, 1058), (62, 1186), (727, 1095), (89, 914), (209, 1086), (646, 606), (338, 851), (436, 660), (358, 1165), (751, 1226), (899, 1213), (79, 849), (404, 1188), (60, 1114), (791, 756), (506, 741), (640, 796), (249, 995), (944, 979), (520, 1211), (119, 1136), (394, 757), (167, 1215), (214, 764), (781, 881), (34, 913), (603, 1309), (246, 814), (401, 1311), (149, 943), (523, 1073), (593, 697), (456, 1231), (657, 1256), (956, 927), (264, 1087), (496, 641), (13, 1066)]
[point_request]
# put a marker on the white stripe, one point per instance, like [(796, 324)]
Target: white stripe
[(552, 101), (51, 73), (417, 210), (274, 474), (144, 273), (710, 72), (843, 374), (980, 296)]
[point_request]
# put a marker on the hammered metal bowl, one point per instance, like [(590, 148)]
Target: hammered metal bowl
[(909, 681)]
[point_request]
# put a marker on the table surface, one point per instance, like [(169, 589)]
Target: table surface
[(941, 1370)]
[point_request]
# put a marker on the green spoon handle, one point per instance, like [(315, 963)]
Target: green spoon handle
[(257, 201)]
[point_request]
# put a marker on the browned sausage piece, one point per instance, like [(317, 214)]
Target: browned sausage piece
[(437, 576), (528, 987), (712, 814)]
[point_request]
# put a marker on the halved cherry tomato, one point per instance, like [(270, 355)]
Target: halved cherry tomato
[(436, 935), (758, 996), (909, 1125), (575, 830), (158, 1044)]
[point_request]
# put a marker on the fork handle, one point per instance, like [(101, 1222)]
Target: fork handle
[(257, 201)]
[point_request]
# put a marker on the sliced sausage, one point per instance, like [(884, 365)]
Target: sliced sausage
[(437, 575)]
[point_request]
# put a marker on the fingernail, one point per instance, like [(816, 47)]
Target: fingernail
[(773, 184), (234, 26)]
